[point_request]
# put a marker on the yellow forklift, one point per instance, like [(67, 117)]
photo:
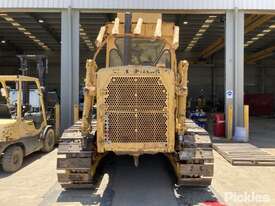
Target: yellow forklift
[(29, 115)]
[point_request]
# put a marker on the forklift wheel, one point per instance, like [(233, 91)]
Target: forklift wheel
[(49, 140), (12, 159)]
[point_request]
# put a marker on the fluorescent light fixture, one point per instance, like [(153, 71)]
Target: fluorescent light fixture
[(84, 37), (249, 42), (24, 30), (212, 16), (21, 29), (267, 30), (255, 38), (205, 25), (41, 21), (8, 19), (209, 21), (83, 34), (3, 42), (245, 45), (15, 24), (261, 34), (202, 30), (198, 34), (185, 22), (272, 26)]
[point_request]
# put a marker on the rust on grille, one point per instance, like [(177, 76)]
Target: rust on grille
[(136, 110)]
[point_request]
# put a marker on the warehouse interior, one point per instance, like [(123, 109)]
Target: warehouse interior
[(201, 43)]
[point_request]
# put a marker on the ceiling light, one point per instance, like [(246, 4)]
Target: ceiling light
[(272, 26), (185, 22), (245, 45), (205, 25), (249, 42), (84, 36), (255, 38), (3, 42), (41, 21), (209, 21), (21, 29), (202, 30), (198, 34), (212, 16), (15, 24), (24, 30), (3, 14), (267, 30), (261, 34), (8, 19), (196, 38)]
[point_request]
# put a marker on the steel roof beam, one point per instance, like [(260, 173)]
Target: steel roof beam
[(252, 22), (46, 27)]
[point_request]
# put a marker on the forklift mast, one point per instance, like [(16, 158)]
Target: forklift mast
[(41, 69), (41, 66)]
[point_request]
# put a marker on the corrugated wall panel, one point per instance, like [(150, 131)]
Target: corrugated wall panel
[(154, 4), (256, 4), (47, 4), (142, 4)]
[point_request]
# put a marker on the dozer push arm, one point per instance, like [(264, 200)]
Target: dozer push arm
[(182, 93), (89, 94)]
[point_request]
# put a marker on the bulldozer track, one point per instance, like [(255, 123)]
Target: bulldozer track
[(75, 158), (194, 162)]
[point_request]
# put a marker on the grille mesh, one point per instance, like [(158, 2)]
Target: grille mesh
[(136, 110)]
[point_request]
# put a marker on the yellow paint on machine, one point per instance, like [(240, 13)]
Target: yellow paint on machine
[(143, 144)]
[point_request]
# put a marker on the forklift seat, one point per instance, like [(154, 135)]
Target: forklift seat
[(36, 117)]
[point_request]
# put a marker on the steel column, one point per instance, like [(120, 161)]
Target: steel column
[(234, 64), (69, 65)]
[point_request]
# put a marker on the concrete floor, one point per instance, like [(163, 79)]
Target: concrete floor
[(151, 183)]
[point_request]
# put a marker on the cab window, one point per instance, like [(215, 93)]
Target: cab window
[(142, 51), (8, 100)]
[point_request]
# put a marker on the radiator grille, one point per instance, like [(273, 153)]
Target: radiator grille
[(136, 110)]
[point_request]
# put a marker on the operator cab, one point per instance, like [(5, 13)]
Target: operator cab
[(141, 51), (20, 100)]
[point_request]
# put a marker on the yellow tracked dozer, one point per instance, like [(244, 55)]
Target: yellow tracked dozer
[(141, 105)]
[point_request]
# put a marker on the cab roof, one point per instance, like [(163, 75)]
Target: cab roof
[(17, 78)]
